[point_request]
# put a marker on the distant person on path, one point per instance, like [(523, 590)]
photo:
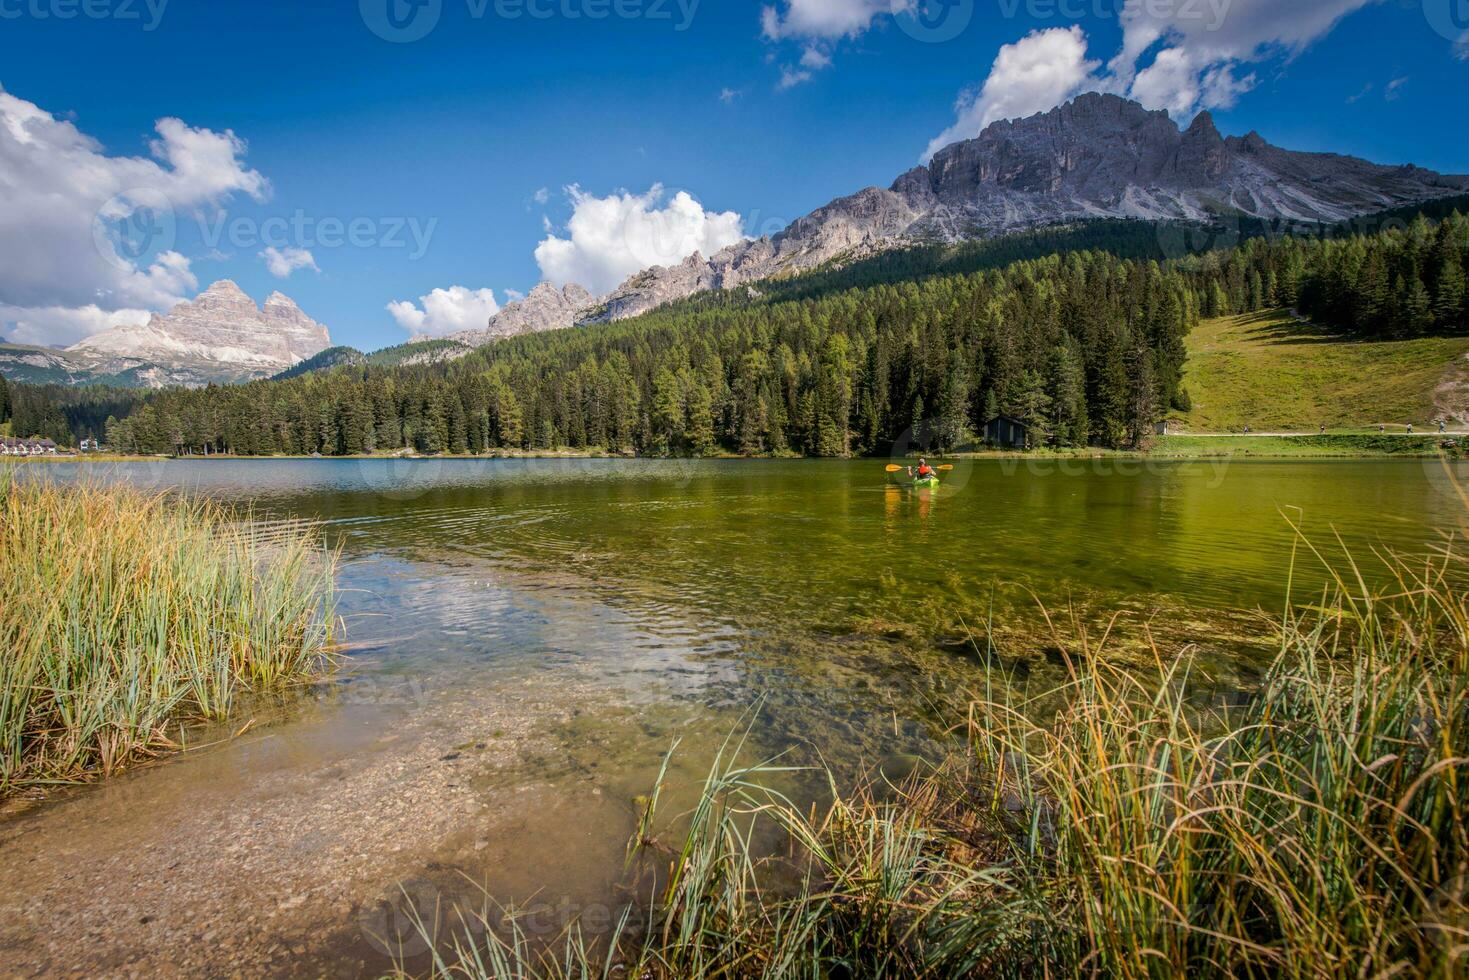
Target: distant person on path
[(1410, 428), (1323, 428), (1382, 430), (1442, 426)]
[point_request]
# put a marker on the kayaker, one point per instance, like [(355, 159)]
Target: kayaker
[(925, 472)]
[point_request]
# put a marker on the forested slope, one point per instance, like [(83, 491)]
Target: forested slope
[(1086, 345)]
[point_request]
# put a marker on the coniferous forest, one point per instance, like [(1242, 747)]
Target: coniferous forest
[(1087, 346)]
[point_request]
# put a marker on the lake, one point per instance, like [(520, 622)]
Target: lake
[(526, 639)]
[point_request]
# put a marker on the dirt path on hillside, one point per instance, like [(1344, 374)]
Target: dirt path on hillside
[(1451, 395)]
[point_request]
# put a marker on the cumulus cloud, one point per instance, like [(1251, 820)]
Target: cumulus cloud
[(610, 238), (445, 311), (1181, 57), (821, 18), (84, 230), (818, 24), (1041, 70), (281, 262)]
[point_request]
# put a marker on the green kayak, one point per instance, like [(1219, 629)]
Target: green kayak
[(929, 484)]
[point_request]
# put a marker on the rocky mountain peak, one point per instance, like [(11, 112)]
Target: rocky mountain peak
[(1203, 128), (1097, 156), (545, 307), (221, 334)]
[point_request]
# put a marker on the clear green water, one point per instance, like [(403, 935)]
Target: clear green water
[(679, 597)]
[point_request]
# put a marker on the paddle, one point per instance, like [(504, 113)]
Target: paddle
[(898, 469)]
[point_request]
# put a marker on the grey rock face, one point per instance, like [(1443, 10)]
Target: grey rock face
[(1099, 156), (544, 308), (219, 336)]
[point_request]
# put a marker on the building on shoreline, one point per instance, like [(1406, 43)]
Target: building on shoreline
[(10, 446)]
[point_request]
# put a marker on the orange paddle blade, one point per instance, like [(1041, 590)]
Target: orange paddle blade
[(895, 469), (946, 467)]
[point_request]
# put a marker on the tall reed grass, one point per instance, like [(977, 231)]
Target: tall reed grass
[(122, 612), (1316, 830)]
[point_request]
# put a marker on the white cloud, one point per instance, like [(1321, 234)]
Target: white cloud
[(1391, 94), (612, 237), (1213, 40), (728, 95), (1040, 71), (283, 261), (446, 311), (69, 212), (791, 77), (815, 59), (542, 195), (821, 18), (60, 326), (1181, 57)]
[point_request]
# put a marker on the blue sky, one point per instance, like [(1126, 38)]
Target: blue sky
[(460, 145)]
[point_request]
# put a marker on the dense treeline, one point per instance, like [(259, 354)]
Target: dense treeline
[(61, 413), (1407, 282), (1086, 346)]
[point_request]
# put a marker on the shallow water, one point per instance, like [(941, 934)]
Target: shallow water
[(527, 638)]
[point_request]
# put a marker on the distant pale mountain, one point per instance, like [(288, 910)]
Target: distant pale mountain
[(221, 336), (1099, 156)]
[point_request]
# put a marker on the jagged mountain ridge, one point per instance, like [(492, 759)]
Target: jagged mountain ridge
[(220, 335), (1098, 156), (544, 308)]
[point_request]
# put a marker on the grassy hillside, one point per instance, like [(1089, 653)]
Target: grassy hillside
[(1274, 373)]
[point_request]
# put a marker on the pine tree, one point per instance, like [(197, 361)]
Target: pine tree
[(700, 432), (668, 412), (1449, 296), (1032, 405)]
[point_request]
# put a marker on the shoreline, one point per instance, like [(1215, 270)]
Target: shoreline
[(1180, 447)]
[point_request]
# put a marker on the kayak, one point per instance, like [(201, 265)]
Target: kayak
[(929, 484)]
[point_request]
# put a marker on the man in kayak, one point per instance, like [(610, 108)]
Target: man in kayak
[(925, 472)]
